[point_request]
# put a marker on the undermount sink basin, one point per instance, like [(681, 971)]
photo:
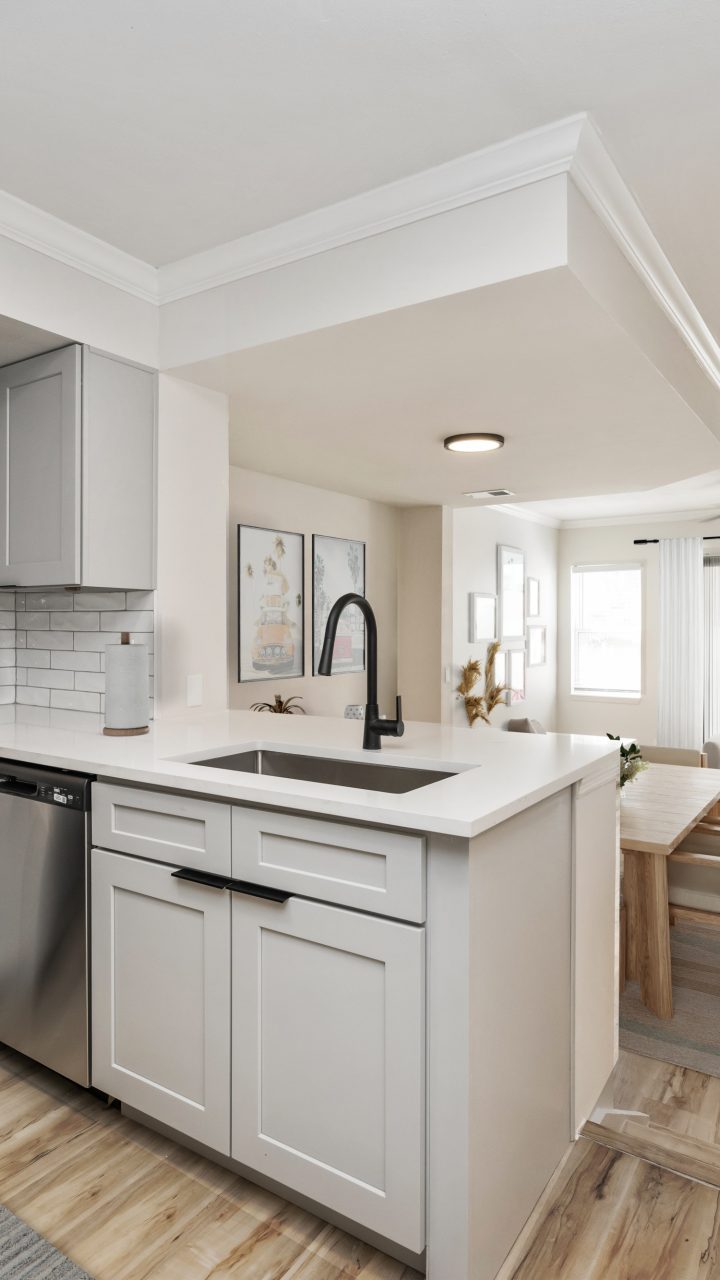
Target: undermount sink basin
[(339, 773)]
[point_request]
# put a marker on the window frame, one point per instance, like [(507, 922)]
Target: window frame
[(608, 695)]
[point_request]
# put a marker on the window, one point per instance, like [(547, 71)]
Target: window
[(607, 630)]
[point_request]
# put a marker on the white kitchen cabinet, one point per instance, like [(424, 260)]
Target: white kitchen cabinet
[(77, 471), (328, 1055), (161, 995)]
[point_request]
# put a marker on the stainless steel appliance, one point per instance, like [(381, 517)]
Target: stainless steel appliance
[(44, 987)]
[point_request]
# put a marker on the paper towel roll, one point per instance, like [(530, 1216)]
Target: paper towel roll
[(127, 699)]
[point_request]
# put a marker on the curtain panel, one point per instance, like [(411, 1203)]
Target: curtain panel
[(682, 643)]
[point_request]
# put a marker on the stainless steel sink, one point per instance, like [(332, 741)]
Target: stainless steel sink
[(340, 773)]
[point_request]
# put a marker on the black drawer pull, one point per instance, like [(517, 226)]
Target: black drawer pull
[(202, 877), (258, 891)]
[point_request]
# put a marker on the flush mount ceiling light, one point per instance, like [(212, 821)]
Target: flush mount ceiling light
[(475, 442)]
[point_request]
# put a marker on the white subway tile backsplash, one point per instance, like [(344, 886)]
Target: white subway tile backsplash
[(49, 639), (33, 657), (49, 599), (89, 681), (33, 697), (52, 648), (72, 621), (38, 620), (46, 678), (74, 661), (139, 600), (95, 641), (127, 620), (99, 600), (72, 701)]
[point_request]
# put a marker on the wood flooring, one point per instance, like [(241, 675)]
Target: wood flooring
[(127, 1204)]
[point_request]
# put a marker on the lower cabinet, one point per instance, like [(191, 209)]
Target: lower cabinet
[(328, 1058), (161, 995), (312, 1072)]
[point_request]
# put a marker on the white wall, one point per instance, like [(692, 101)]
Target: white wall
[(613, 544), (476, 533), (193, 467), (420, 593), (267, 500)]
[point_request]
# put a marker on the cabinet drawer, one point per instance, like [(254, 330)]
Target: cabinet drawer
[(362, 867), (164, 828)]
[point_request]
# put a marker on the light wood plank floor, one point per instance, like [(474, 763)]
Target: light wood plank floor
[(127, 1204), (682, 1128), (615, 1217)]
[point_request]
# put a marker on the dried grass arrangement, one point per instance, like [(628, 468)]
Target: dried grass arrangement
[(481, 706)]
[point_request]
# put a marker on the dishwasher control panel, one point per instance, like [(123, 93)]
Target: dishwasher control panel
[(55, 793)]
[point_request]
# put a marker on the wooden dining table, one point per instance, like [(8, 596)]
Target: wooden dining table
[(658, 809)]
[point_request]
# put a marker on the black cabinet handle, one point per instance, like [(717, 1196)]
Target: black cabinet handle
[(202, 877), (258, 891)]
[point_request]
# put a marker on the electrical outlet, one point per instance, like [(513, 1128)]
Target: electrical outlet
[(194, 691)]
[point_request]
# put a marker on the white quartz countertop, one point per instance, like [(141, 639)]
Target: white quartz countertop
[(499, 773)]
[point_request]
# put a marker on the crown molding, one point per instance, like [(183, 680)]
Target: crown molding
[(527, 158), (691, 516), (596, 177), (41, 231), (571, 146)]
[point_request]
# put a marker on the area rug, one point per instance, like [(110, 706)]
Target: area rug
[(24, 1255), (691, 1038)]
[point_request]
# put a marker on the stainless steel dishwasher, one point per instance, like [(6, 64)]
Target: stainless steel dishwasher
[(44, 981)]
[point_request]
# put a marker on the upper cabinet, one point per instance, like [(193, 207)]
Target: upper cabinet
[(77, 472)]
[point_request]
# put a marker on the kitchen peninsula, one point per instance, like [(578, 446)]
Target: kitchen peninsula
[(452, 946)]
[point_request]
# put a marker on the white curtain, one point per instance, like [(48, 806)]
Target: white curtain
[(681, 683), (712, 648)]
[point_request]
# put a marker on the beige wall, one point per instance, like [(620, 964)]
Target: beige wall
[(420, 592), (476, 533), (613, 544), (191, 615), (261, 499)]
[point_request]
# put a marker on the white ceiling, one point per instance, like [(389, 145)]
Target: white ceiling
[(698, 496), (170, 127), (363, 407)]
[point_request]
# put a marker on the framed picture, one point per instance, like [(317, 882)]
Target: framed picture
[(516, 679), (533, 598), (511, 597), (536, 646), (271, 600), (483, 617), (338, 567)]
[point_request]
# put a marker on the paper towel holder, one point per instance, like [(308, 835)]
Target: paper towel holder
[(126, 732)]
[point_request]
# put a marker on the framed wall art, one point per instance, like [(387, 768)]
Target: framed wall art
[(483, 617), (511, 597), (516, 679), (338, 567), (533, 598), (271, 604), (536, 646)]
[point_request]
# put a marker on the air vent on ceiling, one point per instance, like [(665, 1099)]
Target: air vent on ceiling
[(490, 493)]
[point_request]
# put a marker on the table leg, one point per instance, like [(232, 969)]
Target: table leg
[(631, 889), (646, 896)]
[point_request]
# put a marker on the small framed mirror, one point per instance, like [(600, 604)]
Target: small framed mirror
[(483, 617), (536, 646), (533, 598), (511, 597)]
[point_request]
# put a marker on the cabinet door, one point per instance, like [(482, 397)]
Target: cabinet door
[(328, 1059), (40, 470), (161, 995)]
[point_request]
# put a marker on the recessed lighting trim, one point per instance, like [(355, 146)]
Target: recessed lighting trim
[(474, 442)]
